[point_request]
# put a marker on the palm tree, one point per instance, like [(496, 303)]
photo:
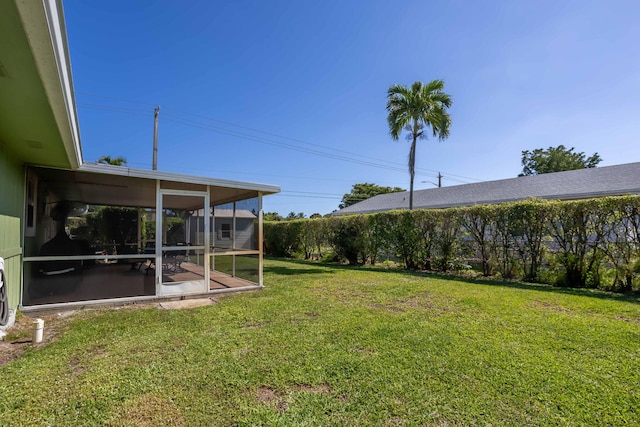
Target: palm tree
[(116, 161), (415, 109)]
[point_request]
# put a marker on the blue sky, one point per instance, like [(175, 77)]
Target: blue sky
[(293, 92)]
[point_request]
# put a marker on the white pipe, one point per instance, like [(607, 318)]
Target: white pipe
[(38, 330)]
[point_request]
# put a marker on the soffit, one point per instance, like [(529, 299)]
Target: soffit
[(37, 114)]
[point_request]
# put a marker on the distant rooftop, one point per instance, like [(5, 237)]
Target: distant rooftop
[(603, 181)]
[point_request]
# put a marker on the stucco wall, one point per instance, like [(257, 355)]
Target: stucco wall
[(11, 213)]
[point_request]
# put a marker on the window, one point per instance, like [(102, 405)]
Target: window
[(30, 211), (225, 231)]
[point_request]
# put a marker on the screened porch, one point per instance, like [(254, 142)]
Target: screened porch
[(105, 233)]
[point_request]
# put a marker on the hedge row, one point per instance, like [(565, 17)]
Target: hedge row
[(588, 243)]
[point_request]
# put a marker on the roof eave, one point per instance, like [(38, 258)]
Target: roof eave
[(265, 189), (45, 29)]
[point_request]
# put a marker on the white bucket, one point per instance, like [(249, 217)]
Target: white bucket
[(38, 330)]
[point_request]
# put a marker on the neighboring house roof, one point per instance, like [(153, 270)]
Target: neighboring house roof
[(228, 213), (576, 184)]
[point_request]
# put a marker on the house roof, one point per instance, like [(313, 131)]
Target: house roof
[(576, 184), (39, 125), (38, 121)]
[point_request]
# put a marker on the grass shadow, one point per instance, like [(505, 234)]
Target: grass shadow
[(541, 287), (284, 271)]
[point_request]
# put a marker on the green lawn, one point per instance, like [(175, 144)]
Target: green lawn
[(338, 346)]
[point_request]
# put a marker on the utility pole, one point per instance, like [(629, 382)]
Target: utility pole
[(156, 112)]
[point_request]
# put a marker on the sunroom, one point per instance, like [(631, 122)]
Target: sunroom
[(103, 233)]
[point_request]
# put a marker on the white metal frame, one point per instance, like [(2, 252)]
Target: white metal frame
[(233, 252), (160, 193)]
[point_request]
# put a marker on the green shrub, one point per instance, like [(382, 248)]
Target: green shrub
[(282, 238), (591, 243), (404, 239), (349, 239)]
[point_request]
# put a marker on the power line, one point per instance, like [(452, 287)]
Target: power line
[(253, 174), (262, 140), (285, 145), (378, 163), (251, 137), (310, 143), (399, 167)]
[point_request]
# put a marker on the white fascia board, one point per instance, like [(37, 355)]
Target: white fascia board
[(169, 176)]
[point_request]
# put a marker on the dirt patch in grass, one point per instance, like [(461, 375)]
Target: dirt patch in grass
[(388, 307), (255, 325), (241, 352), (322, 388), (365, 350), (149, 410), (400, 306), (420, 301), (78, 366), (549, 306), (19, 337), (268, 395), (271, 396), (302, 317), (627, 319)]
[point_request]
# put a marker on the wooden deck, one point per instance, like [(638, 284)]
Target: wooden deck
[(188, 271)]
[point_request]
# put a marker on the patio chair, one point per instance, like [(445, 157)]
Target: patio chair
[(172, 261)]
